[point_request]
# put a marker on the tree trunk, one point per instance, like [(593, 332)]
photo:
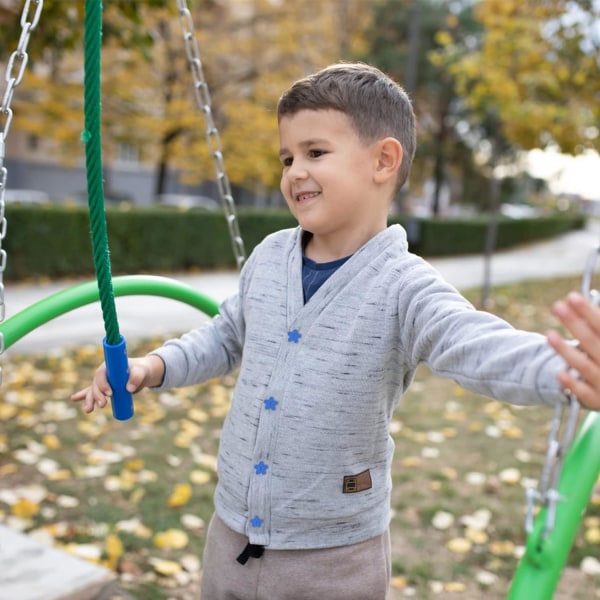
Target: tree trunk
[(490, 242), (439, 166)]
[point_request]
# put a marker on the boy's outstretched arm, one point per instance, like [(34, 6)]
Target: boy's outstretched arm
[(147, 371), (582, 321)]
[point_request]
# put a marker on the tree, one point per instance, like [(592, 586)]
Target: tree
[(523, 81), (251, 51), (60, 27), (536, 67), (403, 37)]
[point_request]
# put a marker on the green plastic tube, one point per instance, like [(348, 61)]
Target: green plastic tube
[(19, 325), (539, 570)]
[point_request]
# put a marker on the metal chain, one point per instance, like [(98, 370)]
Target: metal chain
[(203, 101), (547, 493), (15, 70)]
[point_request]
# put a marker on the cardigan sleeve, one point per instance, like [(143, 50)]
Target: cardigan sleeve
[(477, 349), (212, 350)]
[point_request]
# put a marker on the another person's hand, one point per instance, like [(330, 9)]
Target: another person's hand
[(582, 321), (147, 371)]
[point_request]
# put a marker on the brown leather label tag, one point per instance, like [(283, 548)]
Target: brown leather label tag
[(357, 483)]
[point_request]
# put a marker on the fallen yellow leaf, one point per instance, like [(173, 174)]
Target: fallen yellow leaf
[(513, 432), (172, 539), (51, 441), (459, 545), (137, 495), (7, 411), (114, 550), (24, 508), (180, 496), (502, 548), (198, 415), (477, 536), (198, 477), (8, 469), (135, 464), (60, 475), (167, 568), (592, 535), (183, 440), (454, 586), (399, 582)]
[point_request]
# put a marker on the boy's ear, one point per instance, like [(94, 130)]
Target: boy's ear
[(389, 157)]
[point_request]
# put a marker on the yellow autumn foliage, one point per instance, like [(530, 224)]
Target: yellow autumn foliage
[(171, 539), (25, 508), (530, 72), (180, 495), (114, 550)]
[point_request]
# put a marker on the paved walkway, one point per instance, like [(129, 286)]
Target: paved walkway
[(31, 571)]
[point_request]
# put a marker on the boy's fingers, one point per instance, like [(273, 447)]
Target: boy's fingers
[(92, 396), (80, 395), (137, 377)]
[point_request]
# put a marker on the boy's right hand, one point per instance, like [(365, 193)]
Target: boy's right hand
[(147, 371)]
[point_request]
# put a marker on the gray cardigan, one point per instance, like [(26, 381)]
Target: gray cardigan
[(305, 453)]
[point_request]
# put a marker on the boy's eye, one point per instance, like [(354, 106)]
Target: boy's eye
[(315, 153), (286, 161)]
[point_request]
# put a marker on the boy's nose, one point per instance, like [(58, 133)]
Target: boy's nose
[(297, 171)]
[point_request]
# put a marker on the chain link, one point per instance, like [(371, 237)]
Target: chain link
[(213, 139), (547, 493), (15, 70)]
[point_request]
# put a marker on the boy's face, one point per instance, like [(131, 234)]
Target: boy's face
[(327, 179)]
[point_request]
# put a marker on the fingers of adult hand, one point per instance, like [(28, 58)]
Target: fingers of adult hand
[(585, 393), (584, 381), (575, 358), (582, 320)]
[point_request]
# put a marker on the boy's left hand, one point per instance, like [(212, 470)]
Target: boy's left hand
[(582, 320)]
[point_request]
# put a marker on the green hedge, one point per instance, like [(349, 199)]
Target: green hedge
[(447, 237), (53, 241)]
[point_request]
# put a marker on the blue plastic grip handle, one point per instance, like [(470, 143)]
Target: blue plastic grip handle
[(117, 371)]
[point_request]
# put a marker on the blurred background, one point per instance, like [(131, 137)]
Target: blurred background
[(507, 93)]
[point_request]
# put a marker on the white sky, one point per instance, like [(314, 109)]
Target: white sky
[(568, 174)]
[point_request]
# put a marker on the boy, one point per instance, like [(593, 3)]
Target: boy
[(330, 322)]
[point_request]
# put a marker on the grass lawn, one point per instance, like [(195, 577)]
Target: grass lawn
[(136, 496)]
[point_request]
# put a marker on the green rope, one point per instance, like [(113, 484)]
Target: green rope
[(93, 159)]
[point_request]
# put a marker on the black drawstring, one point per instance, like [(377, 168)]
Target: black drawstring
[(250, 551)]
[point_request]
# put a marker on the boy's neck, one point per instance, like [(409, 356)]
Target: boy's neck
[(322, 248)]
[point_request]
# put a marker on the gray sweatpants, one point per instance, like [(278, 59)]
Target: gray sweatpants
[(357, 572)]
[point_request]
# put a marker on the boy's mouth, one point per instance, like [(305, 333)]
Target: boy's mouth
[(306, 196)]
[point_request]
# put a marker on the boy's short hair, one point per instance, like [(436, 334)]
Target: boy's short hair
[(377, 106)]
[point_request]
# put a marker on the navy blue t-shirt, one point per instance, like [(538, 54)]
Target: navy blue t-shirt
[(314, 274)]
